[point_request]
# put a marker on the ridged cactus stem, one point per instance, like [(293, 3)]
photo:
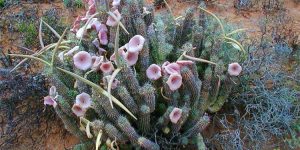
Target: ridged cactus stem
[(129, 78), (99, 110), (201, 124), (190, 82), (81, 86), (111, 113), (148, 93), (61, 87), (126, 99), (112, 37), (144, 119), (114, 133), (125, 126), (165, 119), (65, 107), (70, 124), (147, 144)]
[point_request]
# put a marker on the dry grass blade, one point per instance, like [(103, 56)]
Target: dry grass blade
[(98, 140), (98, 89), (40, 34), (53, 31), (198, 59), (113, 76), (30, 57), (57, 46)]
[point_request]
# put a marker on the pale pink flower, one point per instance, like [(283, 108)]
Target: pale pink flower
[(234, 69), (174, 81), (71, 51), (102, 35), (107, 67), (96, 61), (82, 60), (121, 51), (153, 72), (78, 110), (48, 100), (136, 43), (116, 3), (131, 58), (175, 115), (172, 68), (84, 100), (76, 24), (111, 21)]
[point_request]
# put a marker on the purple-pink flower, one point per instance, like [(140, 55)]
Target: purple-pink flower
[(172, 68), (111, 21), (78, 110), (96, 61), (131, 58), (102, 35), (175, 115), (174, 81), (84, 100), (136, 43), (82, 60), (234, 69), (107, 67), (153, 72), (48, 100)]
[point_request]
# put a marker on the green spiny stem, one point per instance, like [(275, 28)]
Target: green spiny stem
[(165, 119), (147, 144), (144, 121), (70, 124), (201, 124), (98, 89), (148, 93), (114, 133), (190, 83), (127, 99)]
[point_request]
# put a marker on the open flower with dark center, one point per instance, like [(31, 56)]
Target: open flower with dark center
[(175, 115), (111, 21), (136, 43), (48, 100), (82, 60), (174, 81), (234, 69), (153, 72), (131, 58), (107, 67), (78, 110), (84, 100)]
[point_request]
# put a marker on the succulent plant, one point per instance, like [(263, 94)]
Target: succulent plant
[(157, 90)]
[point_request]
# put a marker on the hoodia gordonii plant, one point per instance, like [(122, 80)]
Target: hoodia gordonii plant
[(126, 76)]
